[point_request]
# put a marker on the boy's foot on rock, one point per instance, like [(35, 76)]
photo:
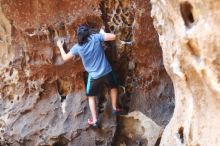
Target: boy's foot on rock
[(117, 112), (93, 124)]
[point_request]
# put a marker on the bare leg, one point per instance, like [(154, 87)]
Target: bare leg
[(92, 105), (114, 94)]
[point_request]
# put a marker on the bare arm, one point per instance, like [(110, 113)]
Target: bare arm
[(65, 56), (108, 36)]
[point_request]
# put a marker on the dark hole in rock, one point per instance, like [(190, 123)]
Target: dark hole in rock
[(63, 87), (11, 72), (118, 10), (1, 39), (186, 12), (180, 132), (101, 101), (99, 142), (59, 144), (51, 34), (10, 63), (63, 98), (158, 142), (112, 28)]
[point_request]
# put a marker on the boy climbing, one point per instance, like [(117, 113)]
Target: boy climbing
[(91, 51)]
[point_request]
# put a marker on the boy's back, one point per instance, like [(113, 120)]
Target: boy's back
[(93, 56)]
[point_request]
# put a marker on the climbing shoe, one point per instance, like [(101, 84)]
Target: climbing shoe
[(117, 112), (93, 124)]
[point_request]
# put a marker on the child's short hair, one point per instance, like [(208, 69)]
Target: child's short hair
[(82, 34)]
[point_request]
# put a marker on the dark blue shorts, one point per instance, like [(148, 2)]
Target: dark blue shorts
[(93, 85)]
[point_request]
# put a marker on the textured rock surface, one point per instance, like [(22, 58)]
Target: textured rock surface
[(137, 58), (34, 78), (33, 81), (189, 36), (137, 129)]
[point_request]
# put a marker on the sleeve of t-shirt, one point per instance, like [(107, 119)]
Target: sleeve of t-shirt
[(74, 50), (100, 37)]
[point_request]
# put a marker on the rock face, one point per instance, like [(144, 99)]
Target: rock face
[(42, 99), (137, 129), (137, 58), (189, 36)]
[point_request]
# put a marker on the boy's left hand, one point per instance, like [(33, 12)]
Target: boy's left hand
[(60, 43)]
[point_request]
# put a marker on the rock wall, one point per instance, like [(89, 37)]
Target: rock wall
[(137, 58), (189, 36), (42, 99)]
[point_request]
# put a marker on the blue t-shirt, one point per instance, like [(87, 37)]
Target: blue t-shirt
[(93, 56)]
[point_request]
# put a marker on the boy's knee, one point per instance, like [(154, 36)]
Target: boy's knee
[(91, 97)]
